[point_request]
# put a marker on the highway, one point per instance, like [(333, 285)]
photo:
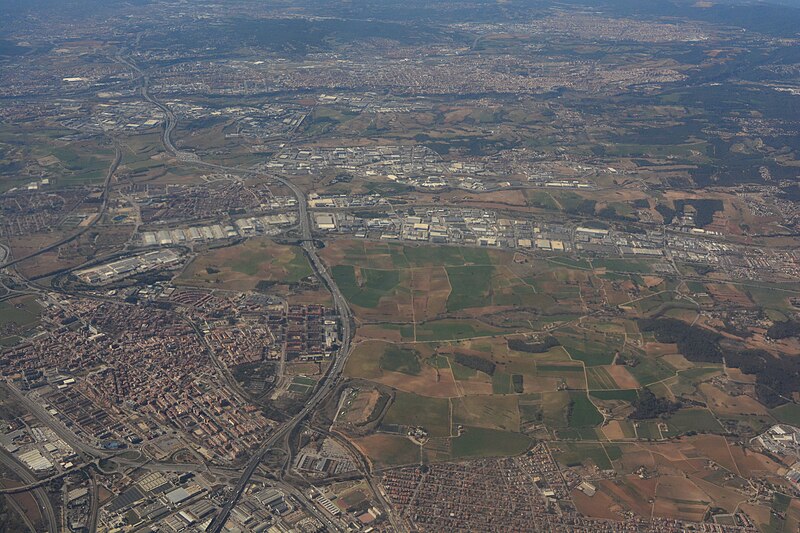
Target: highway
[(43, 482), (39, 494), (36, 409), (328, 383), (324, 388)]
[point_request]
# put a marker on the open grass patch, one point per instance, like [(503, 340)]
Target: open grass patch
[(592, 349), (442, 330), (390, 450), (470, 286), (575, 454), (492, 412), (366, 292), (650, 370), (582, 412), (501, 383), (598, 377), (481, 442), (788, 414), (555, 409), (243, 266), (409, 409), (23, 312), (622, 265), (396, 359), (699, 420), (18, 316), (627, 395), (462, 372)]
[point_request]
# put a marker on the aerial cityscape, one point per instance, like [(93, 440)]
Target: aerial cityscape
[(425, 266)]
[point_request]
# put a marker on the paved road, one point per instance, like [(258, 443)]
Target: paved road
[(95, 505), (83, 229), (329, 381), (366, 470), (39, 494), (42, 482), (53, 423), (327, 384)]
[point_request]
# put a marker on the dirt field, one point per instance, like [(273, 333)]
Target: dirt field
[(677, 361), (361, 407), (723, 403), (430, 288), (376, 331), (725, 498), (425, 384), (631, 493), (598, 506), (494, 412), (390, 450), (679, 498), (364, 362), (614, 431), (737, 375), (242, 266), (725, 293), (46, 262), (622, 376)]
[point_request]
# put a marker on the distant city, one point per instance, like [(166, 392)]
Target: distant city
[(399, 267)]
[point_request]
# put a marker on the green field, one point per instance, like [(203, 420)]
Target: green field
[(626, 395), (591, 348), (575, 454), (400, 256), (599, 378), (396, 359), (461, 372), (555, 406), (470, 287), (501, 383), (443, 330), (446, 256), (648, 429), (583, 412), (480, 442), (22, 311), (580, 264), (545, 368), (411, 410), (699, 420), (374, 285), (492, 412), (302, 385), (250, 262), (787, 414), (243, 266), (767, 296), (651, 370), (17, 317), (622, 265)]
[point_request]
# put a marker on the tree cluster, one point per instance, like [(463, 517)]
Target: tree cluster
[(476, 363), (520, 345), (696, 344), (777, 378), (784, 330), (648, 405)]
